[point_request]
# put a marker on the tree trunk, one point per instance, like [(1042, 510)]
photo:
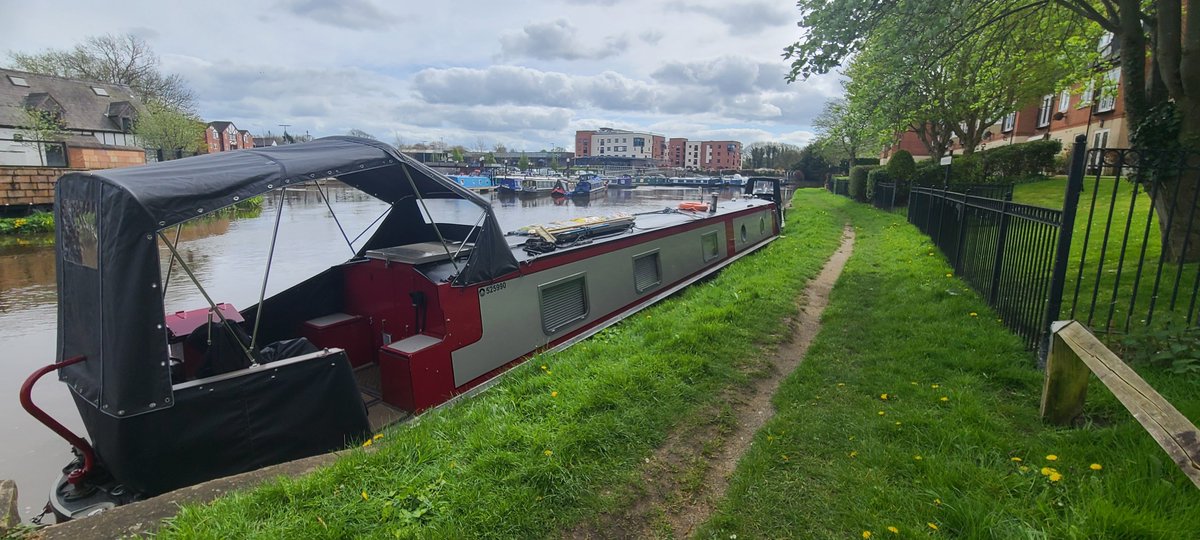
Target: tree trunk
[(1181, 241)]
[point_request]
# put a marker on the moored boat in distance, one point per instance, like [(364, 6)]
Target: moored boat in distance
[(436, 302), (589, 185), (624, 181)]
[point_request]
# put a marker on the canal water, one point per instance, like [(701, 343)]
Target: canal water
[(228, 253)]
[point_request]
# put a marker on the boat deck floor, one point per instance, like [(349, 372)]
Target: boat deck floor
[(379, 414)]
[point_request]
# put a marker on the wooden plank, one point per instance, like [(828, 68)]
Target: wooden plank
[(1174, 432)]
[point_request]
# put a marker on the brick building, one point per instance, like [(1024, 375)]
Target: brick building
[(224, 136), (650, 147), (96, 121)]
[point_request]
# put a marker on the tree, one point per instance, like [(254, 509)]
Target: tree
[(1162, 104), (499, 148), (160, 127), (812, 163), (360, 133), (115, 59), (846, 126), (456, 154), (523, 163), (554, 162), (488, 159), (41, 126)]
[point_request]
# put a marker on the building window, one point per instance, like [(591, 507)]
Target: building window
[(18, 81), (1108, 96), (100, 91), (1064, 100), (1044, 110), (1089, 92), (1009, 122)]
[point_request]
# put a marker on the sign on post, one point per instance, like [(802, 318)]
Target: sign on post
[(946, 160)]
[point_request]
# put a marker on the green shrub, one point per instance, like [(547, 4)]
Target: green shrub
[(901, 167), (1025, 162), (866, 161), (928, 173), (858, 182), (37, 222), (968, 170), (875, 176)]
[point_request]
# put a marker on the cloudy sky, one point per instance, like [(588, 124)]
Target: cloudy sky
[(476, 73)]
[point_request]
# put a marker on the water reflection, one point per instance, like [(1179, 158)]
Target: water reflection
[(228, 253)]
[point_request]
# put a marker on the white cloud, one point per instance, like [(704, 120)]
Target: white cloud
[(557, 40)]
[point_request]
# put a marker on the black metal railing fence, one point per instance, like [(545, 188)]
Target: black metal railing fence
[(1003, 250)]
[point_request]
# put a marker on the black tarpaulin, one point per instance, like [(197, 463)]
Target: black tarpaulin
[(110, 302)]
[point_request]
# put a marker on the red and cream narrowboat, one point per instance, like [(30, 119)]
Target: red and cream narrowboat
[(427, 310)]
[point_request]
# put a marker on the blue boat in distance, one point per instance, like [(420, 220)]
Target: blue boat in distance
[(472, 181), (587, 185)]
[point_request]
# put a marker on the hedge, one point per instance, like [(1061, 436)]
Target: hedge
[(874, 177), (858, 181), (901, 166), (1009, 164)]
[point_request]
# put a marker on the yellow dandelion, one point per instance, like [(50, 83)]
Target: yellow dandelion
[(917, 457), (547, 453), (883, 397), (543, 367), (935, 386), (554, 393), (368, 443), (1016, 459), (1046, 471), (944, 398), (377, 436), (783, 457), (897, 423), (548, 372), (948, 274), (881, 413), (853, 453), (914, 383), (932, 526), (973, 314), (1023, 469), (1051, 457), (841, 384), (1095, 466), (937, 502), (364, 495), (866, 534), (893, 530), (1054, 476)]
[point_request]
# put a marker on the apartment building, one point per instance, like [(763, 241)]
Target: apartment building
[(649, 147), (1094, 110)]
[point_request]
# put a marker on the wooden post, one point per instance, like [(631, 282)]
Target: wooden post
[(1066, 382), (1074, 354)]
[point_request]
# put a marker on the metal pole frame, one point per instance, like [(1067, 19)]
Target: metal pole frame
[(1062, 252)]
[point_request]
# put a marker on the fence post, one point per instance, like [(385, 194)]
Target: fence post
[(994, 293), (962, 235), (1062, 253)]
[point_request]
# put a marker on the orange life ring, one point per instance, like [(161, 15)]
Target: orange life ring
[(693, 206)]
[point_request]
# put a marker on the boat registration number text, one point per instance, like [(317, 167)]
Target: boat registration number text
[(484, 291)]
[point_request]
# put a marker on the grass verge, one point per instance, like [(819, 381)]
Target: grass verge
[(560, 438), (916, 409)]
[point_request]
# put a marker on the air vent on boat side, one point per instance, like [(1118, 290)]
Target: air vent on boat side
[(563, 302)]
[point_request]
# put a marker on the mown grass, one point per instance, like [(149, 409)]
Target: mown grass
[(961, 406), (559, 439), (1129, 227)]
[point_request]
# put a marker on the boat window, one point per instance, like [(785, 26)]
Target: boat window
[(647, 271), (744, 235), (453, 211), (79, 223), (709, 244), (762, 225), (563, 302)]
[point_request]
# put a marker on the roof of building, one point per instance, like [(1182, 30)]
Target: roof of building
[(85, 105), (220, 125)]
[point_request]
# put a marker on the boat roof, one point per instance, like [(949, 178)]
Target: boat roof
[(644, 223), (110, 307)]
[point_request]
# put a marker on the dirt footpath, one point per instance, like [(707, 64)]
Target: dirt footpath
[(687, 476)]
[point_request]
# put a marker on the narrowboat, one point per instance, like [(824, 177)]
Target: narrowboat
[(621, 182), (588, 185), (473, 182), (561, 188), (435, 304)]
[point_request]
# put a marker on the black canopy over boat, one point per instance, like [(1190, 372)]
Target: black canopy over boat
[(151, 434)]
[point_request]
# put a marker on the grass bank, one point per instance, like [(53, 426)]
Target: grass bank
[(915, 409), (560, 438)]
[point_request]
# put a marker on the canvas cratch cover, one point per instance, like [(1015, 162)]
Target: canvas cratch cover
[(110, 299)]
